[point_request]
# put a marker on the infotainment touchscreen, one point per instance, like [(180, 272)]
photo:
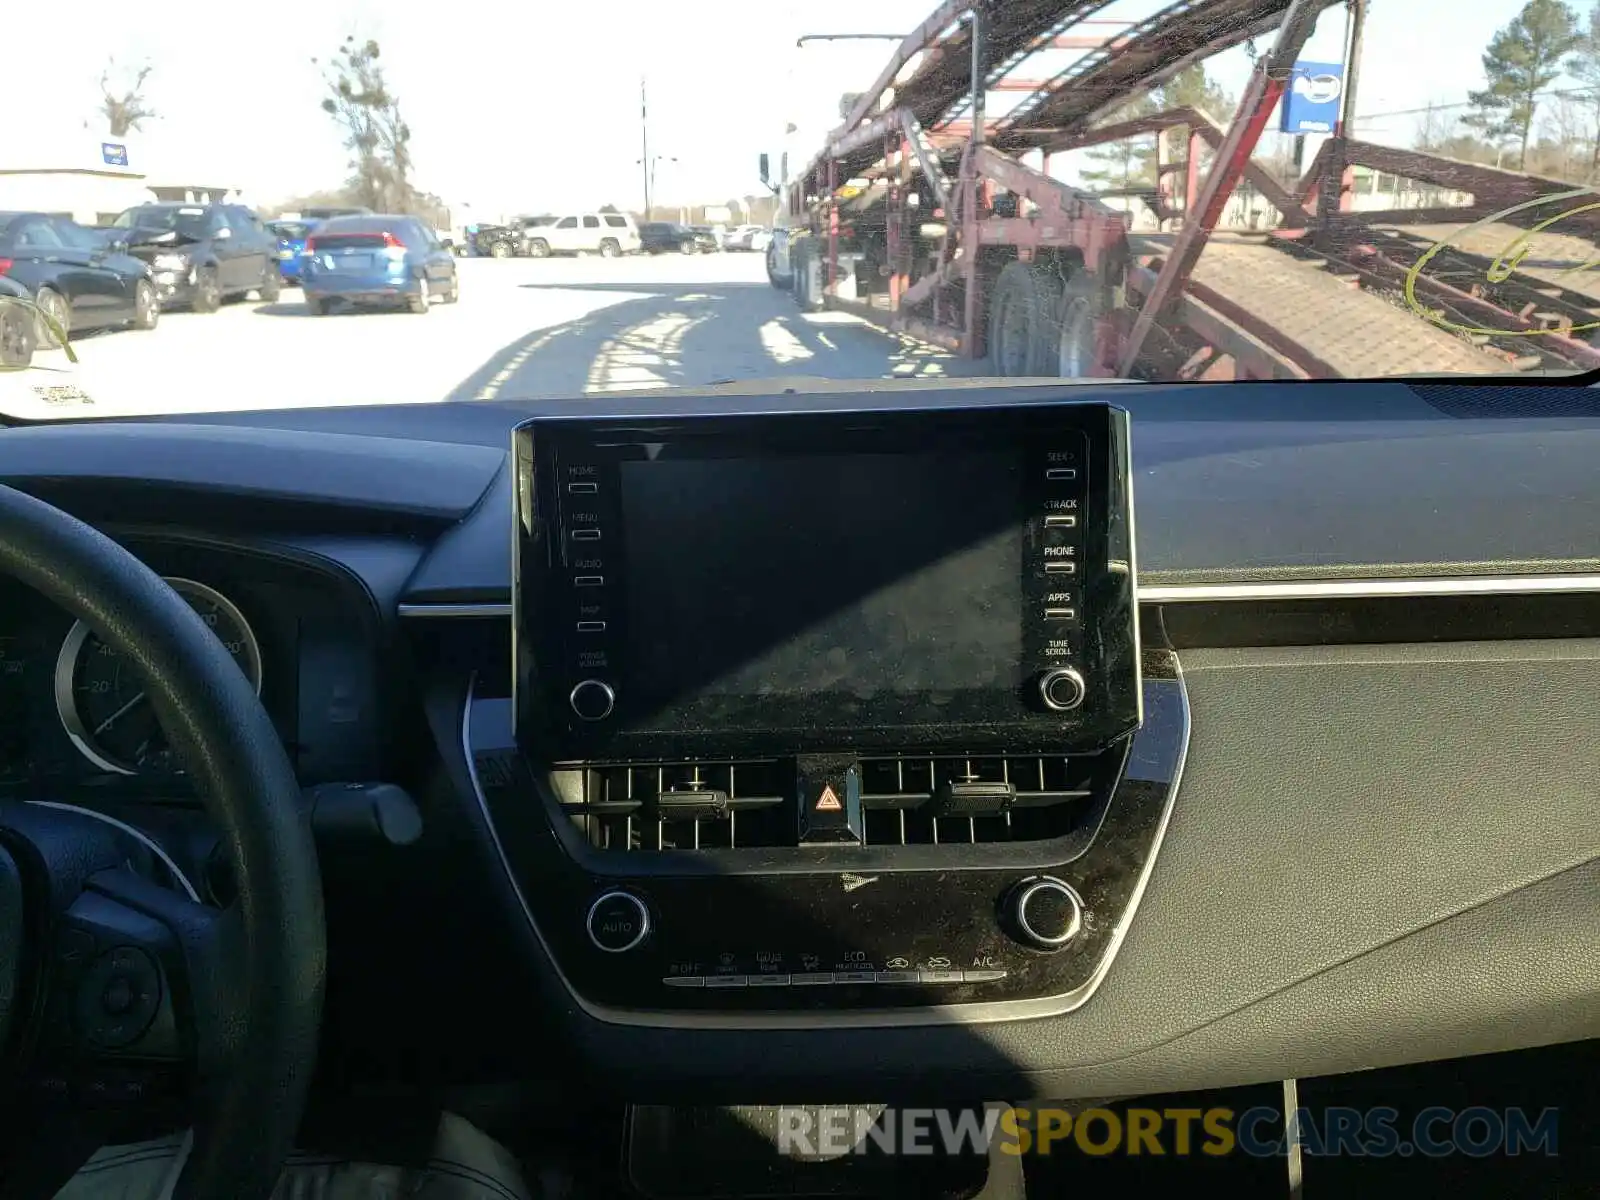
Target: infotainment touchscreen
[(955, 580), (857, 577)]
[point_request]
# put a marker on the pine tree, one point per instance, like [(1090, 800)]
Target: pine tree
[(1522, 60)]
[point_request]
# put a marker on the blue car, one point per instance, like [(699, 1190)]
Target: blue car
[(291, 237), (390, 261)]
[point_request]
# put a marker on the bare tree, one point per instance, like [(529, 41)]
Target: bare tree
[(122, 98), (1564, 134), (375, 133), (1434, 127), (1584, 66)]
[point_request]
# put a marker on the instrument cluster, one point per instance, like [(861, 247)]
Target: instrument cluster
[(73, 706)]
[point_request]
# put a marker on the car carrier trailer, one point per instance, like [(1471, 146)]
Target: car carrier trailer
[(924, 215)]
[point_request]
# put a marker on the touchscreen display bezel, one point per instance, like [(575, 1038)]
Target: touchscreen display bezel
[(703, 723)]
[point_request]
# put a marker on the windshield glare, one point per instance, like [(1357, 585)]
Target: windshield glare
[(795, 196), (188, 222)]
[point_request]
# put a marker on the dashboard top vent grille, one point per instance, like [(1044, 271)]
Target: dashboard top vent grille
[(907, 801)]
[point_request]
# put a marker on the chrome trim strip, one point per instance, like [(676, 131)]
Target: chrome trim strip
[(455, 610), (137, 835), (1295, 1136), (1356, 589), (944, 1014), (1208, 593)]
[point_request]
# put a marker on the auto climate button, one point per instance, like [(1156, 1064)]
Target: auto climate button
[(617, 922)]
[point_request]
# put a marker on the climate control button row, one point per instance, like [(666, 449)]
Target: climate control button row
[(825, 978)]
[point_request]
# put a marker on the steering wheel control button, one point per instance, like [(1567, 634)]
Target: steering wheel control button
[(1062, 689), (74, 947), (618, 922), (592, 700), (1046, 913), (118, 997)]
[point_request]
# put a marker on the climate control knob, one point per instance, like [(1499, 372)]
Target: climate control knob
[(592, 700), (1062, 689), (617, 922), (1045, 913)]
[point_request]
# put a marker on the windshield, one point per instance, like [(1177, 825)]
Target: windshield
[(1134, 190), (190, 222)]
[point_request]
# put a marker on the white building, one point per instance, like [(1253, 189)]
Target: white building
[(92, 178)]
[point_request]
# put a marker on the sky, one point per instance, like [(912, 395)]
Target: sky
[(528, 108)]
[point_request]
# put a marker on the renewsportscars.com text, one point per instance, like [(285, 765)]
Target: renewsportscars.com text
[(1439, 1132)]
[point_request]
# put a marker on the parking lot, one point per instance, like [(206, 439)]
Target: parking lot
[(523, 328)]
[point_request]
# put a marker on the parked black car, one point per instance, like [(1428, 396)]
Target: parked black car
[(16, 325), (660, 237), (202, 254), (499, 241), (74, 275)]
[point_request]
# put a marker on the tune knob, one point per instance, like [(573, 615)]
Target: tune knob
[(592, 700), (1045, 913), (1062, 689)]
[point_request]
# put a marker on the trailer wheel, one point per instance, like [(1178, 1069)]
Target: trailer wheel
[(1076, 351), (1016, 314), (807, 290), (1043, 340)]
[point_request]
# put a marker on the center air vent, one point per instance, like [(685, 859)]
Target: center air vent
[(908, 801)]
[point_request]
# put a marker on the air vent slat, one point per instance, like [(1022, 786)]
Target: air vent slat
[(906, 800)]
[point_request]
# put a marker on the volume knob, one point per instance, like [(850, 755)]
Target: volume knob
[(592, 700), (1062, 689)]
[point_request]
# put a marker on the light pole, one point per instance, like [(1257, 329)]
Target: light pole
[(649, 165), (644, 144)]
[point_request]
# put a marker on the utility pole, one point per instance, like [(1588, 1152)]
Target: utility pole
[(644, 141)]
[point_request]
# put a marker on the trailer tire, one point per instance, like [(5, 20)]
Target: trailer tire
[(781, 282), (807, 295), (1072, 333), (1017, 313), (1049, 287)]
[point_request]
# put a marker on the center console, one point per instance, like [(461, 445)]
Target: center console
[(829, 711)]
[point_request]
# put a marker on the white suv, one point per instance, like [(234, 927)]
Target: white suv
[(605, 234)]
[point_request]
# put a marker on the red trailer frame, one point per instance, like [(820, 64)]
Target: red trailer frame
[(922, 202)]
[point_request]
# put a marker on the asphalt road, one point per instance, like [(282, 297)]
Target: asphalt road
[(523, 328)]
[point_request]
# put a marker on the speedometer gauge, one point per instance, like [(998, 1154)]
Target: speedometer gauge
[(101, 697)]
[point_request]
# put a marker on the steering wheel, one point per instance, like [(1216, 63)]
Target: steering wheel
[(114, 987)]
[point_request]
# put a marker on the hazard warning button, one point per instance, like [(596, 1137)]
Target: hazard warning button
[(830, 802)]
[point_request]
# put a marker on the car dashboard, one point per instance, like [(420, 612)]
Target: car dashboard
[(891, 741)]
